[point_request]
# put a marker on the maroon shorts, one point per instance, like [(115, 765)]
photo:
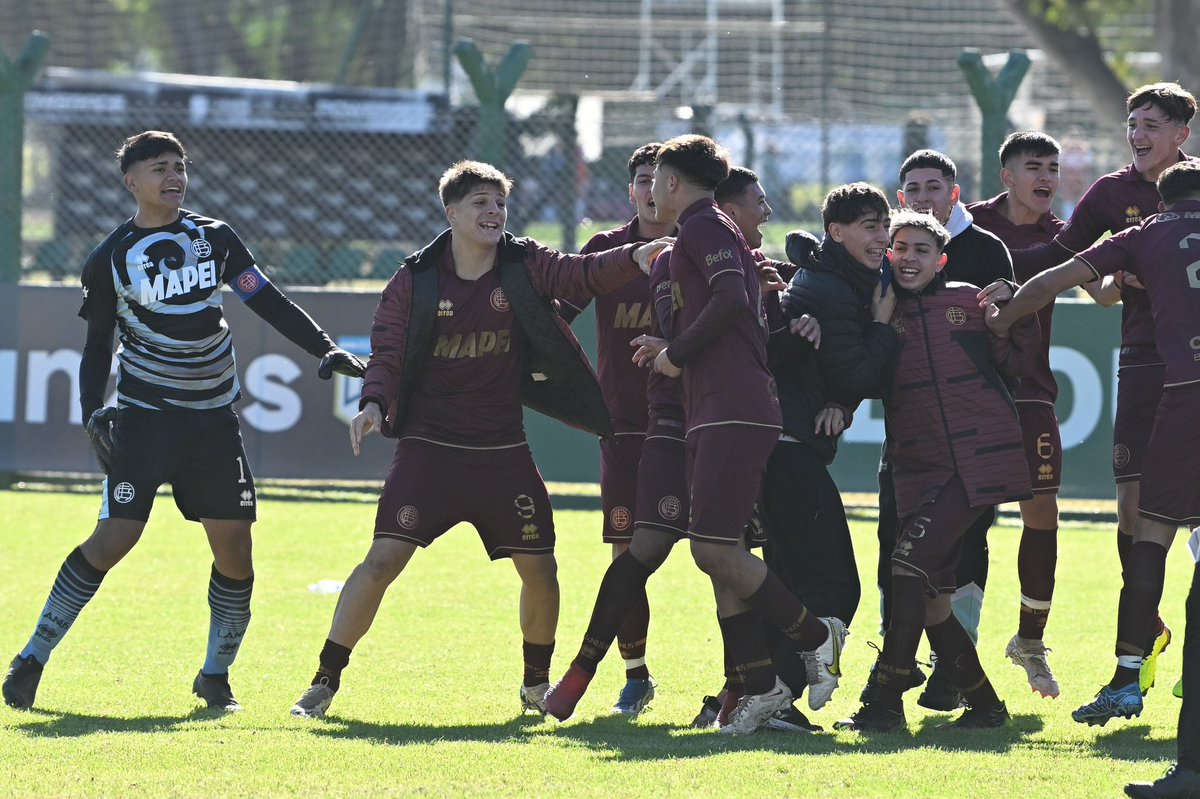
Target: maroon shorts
[(930, 540), (1171, 480), (662, 489), (1043, 446), (619, 458), (1138, 391), (725, 468), (430, 488)]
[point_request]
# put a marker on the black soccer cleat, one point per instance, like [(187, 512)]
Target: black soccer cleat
[(981, 718), (940, 693), (21, 682), (915, 680), (1177, 783), (874, 718), (215, 691)]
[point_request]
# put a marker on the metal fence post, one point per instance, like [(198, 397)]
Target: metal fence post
[(15, 78)]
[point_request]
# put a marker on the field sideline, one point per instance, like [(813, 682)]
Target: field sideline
[(429, 703)]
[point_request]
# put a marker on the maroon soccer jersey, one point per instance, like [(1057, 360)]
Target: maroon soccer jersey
[(621, 316), (1164, 253), (470, 392), (1115, 202), (1039, 384), (725, 376), (663, 394)]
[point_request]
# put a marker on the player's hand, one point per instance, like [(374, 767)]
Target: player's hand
[(663, 365), (1131, 280), (648, 348), (996, 292), (99, 430), (831, 421), (800, 246), (645, 254), (769, 279), (809, 327), (883, 304), (996, 320), (368, 419), (342, 362)]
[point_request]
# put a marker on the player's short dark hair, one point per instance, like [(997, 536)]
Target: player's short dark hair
[(645, 155), (906, 217), (699, 159), (732, 187), (929, 159), (461, 179), (148, 144), (851, 202), (1175, 101), (1180, 181), (1028, 143)]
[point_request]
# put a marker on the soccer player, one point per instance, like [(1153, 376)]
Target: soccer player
[(157, 278), (622, 315), (1159, 114), (955, 449), (1021, 218), (463, 335), (975, 256), (1164, 254), (733, 421)]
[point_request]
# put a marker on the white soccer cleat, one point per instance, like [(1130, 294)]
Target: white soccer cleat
[(755, 710), (315, 700), (1030, 654), (824, 664), (533, 698)]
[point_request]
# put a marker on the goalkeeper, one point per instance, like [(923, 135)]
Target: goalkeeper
[(157, 279)]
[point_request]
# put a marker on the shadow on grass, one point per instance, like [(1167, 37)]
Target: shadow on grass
[(616, 738), (52, 724), (1133, 742)]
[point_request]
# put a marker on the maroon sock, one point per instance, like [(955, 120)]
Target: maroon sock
[(1037, 558), (748, 652), (1139, 602), (780, 608), (1124, 542), (902, 638), (333, 658), (957, 655), (537, 662), (623, 583), (631, 638)]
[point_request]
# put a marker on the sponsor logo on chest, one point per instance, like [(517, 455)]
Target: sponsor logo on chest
[(176, 282)]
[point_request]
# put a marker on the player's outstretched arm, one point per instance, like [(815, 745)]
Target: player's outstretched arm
[(1036, 293), (368, 419), (299, 328)]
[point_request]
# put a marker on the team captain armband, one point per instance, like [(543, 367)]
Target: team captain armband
[(248, 282)]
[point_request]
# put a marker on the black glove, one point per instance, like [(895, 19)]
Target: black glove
[(99, 430), (342, 362), (800, 246)]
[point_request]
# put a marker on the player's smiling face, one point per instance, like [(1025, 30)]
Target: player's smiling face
[(928, 191), (662, 189), (1032, 181), (639, 193), (915, 258), (865, 239), (750, 212), (158, 184), (480, 216), (1154, 139)]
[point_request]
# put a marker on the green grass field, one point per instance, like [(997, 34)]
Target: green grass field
[(429, 704)]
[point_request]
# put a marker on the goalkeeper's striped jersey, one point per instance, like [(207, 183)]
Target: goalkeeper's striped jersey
[(161, 288)]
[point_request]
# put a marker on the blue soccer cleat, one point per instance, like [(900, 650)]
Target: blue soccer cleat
[(634, 698), (1109, 703)]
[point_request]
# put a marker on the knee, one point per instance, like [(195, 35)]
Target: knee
[(707, 557), (383, 564)]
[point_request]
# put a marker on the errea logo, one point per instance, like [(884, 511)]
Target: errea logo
[(718, 256), (247, 499)]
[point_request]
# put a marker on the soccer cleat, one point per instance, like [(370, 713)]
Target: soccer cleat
[(789, 719), (940, 693), (707, 717), (533, 698), (1150, 662), (1177, 783), (1109, 703), (1177, 691), (754, 710), (561, 698), (1030, 654), (215, 691), (21, 682), (980, 718), (874, 717), (315, 700), (634, 698), (824, 664), (915, 680)]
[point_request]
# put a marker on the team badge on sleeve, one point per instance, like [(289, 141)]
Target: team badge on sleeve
[(248, 283)]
